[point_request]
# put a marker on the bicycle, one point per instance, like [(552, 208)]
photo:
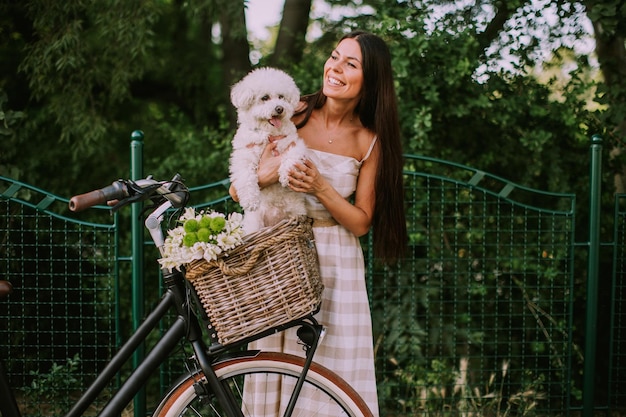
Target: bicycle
[(213, 382)]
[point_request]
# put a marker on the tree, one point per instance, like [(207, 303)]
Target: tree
[(608, 18), (291, 35), (83, 73)]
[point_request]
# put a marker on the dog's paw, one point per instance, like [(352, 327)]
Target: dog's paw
[(249, 204), (249, 199), (283, 174), (284, 179)]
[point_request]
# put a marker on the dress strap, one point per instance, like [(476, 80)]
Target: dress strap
[(369, 151)]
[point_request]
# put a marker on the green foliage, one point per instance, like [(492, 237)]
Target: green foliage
[(75, 73), (442, 390), (611, 14), (52, 390), (172, 144), (9, 121), (487, 278), (453, 106), (96, 73)]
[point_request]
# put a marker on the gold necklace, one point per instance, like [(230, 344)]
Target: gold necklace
[(330, 137)]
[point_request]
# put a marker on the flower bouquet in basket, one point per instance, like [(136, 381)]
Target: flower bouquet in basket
[(250, 283), (203, 235)]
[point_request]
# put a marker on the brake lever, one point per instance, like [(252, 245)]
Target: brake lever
[(155, 191), (125, 202), (136, 193)]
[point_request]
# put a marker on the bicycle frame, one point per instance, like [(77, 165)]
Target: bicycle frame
[(185, 326), (152, 361), (179, 297)]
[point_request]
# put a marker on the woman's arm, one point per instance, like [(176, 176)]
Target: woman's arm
[(356, 217), (267, 172)]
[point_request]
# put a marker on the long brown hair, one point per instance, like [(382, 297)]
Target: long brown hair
[(378, 111)]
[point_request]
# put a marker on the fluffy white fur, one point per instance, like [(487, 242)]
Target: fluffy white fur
[(265, 100)]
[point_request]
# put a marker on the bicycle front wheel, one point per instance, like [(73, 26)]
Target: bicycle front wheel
[(323, 394)]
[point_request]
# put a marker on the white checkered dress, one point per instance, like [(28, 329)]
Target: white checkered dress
[(347, 348)]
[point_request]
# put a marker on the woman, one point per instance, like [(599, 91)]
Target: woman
[(352, 181)]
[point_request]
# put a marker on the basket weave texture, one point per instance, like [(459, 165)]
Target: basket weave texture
[(271, 279)]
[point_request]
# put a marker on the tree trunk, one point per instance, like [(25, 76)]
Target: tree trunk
[(611, 54), (235, 46), (292, 33)]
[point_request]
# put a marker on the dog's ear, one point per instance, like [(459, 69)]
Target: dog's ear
[(241, 95), (291, 89), (294, 96)]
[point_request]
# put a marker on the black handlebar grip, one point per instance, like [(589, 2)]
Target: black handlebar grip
[(115, 191)]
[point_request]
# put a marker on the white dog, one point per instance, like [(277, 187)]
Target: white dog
[(265, 100)]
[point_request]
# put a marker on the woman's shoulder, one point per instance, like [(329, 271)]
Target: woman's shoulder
[(369, 145), (366, 139)]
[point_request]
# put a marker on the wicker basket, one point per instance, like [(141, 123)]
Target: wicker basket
[(271, 279)]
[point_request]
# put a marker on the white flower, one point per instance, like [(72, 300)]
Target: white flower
[(183, 246), (211, 252), (227, 241)]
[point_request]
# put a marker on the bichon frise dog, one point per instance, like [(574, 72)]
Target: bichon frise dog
[(265, 100)]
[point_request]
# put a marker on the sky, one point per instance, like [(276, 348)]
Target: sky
[(263, 13)]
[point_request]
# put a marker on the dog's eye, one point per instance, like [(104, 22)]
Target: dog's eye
[(265, 97), (281, 97)]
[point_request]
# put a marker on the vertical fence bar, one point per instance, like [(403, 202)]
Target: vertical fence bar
[(136, 173), (615, 340), (592, 277)]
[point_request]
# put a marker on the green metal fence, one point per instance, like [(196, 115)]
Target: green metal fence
[(617, 355), (60, 325), (477, 320)]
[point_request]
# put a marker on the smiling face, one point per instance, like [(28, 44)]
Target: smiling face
[(343, 71)]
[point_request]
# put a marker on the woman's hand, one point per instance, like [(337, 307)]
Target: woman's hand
[(233, 193), (267, 172), (306, 178)]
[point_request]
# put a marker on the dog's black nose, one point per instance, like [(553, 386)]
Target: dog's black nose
[(279, 109)]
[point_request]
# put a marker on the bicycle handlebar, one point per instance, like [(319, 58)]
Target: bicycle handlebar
[(115, 191), (126, 191)]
